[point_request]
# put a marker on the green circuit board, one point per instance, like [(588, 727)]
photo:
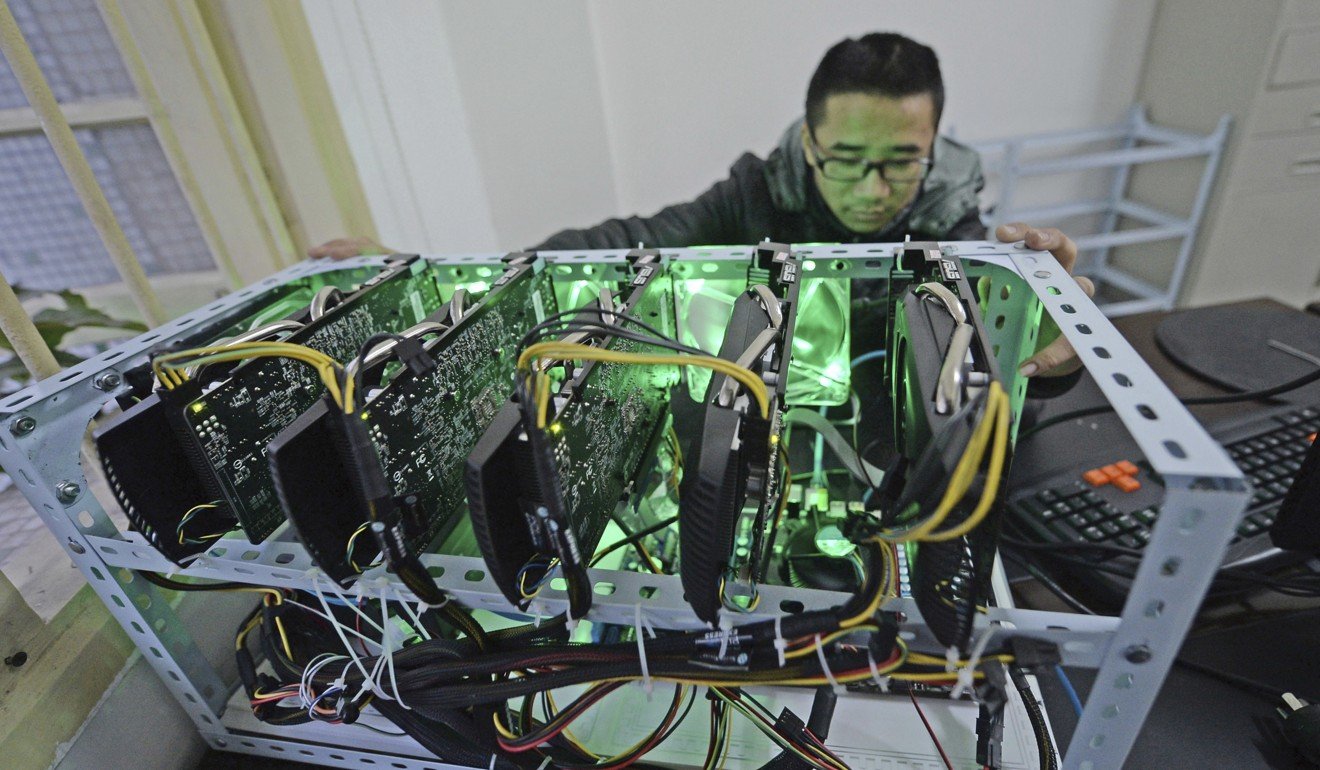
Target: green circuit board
[(234, 423), (604, 434), (423, 427)]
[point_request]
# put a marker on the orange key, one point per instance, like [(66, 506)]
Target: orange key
[(1311, 437), (1127, 483), (1128, 467), (1113, 471), (1095, 477)]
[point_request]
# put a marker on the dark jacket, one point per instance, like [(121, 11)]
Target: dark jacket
[(776, 198)]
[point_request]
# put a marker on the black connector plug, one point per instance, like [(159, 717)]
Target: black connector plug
[(1034, 655), (1301, 726), (411, 352)]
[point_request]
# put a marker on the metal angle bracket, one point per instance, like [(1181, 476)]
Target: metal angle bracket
[(1204, 501)]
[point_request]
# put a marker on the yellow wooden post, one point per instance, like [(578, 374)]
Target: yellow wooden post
[(71, 157)]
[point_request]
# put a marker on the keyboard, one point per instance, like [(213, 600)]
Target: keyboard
[(1118, 502)]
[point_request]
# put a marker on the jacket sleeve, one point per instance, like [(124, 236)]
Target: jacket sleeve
[(969, 228), (710, 219)]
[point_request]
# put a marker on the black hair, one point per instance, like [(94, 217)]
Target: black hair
[(881, 63)]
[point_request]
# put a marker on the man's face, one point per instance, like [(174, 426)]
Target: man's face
[(876, 128)]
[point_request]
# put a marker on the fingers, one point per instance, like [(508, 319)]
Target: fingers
[(1042, 239), (345, 248), (1053, 360), (1059, 357)]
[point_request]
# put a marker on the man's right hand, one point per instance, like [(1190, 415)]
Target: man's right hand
[(347, 248)]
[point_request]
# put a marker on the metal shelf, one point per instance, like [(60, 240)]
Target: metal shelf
[(1137, 141), (1205, 498)]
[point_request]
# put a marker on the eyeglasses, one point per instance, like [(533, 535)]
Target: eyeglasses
[(893, 171)]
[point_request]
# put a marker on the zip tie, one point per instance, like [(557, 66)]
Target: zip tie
[(824, 666), (880, 681), (780, 643), (641, 649), (544, 764), (967, 674), (492, 762), (387, 642), (726, 628), (951, 658)]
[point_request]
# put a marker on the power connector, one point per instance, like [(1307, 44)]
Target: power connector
[(1301, 726)]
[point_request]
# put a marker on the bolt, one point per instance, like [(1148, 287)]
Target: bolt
[(16, 660), (108, 381), (21, 426), (67, 491), (76, 547), (1138, 653), (947, 250)]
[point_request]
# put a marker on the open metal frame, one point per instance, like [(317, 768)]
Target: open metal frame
[(42, 432)]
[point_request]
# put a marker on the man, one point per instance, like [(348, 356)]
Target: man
[(865, 164)]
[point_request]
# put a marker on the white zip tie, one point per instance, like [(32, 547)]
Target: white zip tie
[(880, 681), (316, 589), (641, 649), (829, 675), (967, 674), (726, 629), (492, 762), (386, 643), (544, 764), (414, 615), (781, 644)]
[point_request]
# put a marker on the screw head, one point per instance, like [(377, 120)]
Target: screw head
[(76, 547), (17, 659), (1138, 653), (108, 381), (67, 491), (21, 426)]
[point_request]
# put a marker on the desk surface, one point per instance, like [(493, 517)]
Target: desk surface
[(1197, 721)]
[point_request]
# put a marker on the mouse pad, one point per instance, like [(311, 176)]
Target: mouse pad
[(1228, 345)]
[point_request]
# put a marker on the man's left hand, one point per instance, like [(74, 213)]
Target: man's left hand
[(1058, 357)]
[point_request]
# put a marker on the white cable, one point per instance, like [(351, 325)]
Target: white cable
[(316, 589), (341, 596), (824, 666), (880, 681), (781, 643), (387, 645), (328, 618), (967, 673), (414, 614), (641, 649)]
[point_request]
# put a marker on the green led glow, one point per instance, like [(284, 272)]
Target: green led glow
[(819, 374), (476, 287)]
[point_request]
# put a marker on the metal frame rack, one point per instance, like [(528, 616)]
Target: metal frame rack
[(1136, 141), (45, 427)]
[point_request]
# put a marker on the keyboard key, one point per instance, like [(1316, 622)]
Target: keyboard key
[(1094, 534), (1128, 467), (1047, 496), (1127, 483)]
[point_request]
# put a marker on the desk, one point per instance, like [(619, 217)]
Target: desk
[(1197, 721)]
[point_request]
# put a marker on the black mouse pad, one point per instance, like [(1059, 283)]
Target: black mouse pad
[(1228, 345)]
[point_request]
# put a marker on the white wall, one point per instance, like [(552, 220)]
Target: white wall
[(511, 120)]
